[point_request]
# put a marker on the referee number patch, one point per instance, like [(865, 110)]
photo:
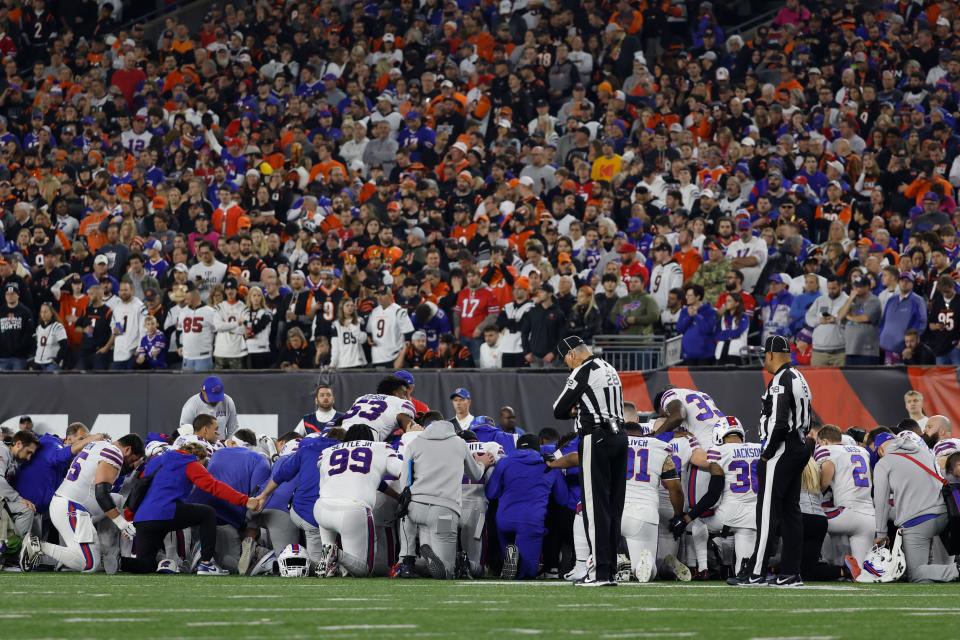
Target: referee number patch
[(776, 390), (571, 383)]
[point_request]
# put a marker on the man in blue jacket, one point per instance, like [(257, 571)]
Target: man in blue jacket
[(698, 325), (904, 310), (523, 487), (488, 431), (245, 470), (38, 479)]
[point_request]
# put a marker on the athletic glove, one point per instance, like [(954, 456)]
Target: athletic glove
[(127, 529), (677, 526)]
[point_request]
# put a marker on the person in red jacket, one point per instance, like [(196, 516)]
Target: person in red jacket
[(174, 475), (476, 309), (630, 266)]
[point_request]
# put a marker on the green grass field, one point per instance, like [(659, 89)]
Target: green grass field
[(140, 607)]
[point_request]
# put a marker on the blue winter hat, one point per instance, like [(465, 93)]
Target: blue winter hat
[(482, 421), (882, 439)]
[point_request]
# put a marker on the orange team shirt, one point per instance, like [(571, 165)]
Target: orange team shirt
[(324, 169), (501, 290), (438, 293), (840, 211), (689, 261), (226, 222), (89, 229), (484, 44), (76, 307), (710, 176), (466, 232)]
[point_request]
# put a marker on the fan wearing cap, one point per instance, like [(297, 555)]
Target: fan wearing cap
[(211, 401), (748, 253), (785, 421), (834, 209), (101, 268), (16, 330), (418, 139), (389, 328), (860, 316), (230, 347), (195, 331)]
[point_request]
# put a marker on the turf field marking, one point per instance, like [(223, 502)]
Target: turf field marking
[(243, 623), (649, 634), (366, 627), (99, 619), (252, 595), (794, 638), (10, 616)]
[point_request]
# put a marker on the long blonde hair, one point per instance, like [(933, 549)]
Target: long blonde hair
[(811, 478)]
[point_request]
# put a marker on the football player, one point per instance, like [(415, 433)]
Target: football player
[(384, 411), (845, 469), (696, 412), (649, 464), (687, 453), (84, 497), (732, 465), (473, 511), (350, 474)]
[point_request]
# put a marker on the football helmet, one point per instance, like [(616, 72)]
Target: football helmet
[(624, 570), (884, 565), (293, 562), (727, 426)]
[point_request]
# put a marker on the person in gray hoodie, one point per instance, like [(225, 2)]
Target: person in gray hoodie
[(919, 510), (433, 468), (829, 345)]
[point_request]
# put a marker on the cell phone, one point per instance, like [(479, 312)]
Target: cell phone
[(825, 313)]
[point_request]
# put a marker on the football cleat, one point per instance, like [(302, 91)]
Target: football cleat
[(623, 573), (30, 552), (851, 568), (645, 566), (211, 568), (405, 570), (331, 561), (510, 562), (461, 570), (745, 580), (787, 581), (579, 572), (247, 556), (265, 564), (591, 582), (437, 570), (680, 570), (167, 567)]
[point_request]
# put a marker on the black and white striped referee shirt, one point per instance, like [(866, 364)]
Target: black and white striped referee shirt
[(786, 411), (594, 389)]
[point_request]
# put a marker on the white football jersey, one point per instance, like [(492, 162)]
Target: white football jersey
[(851, 485), (80, 482), (699, 411), (474, 489), (196, 331), (946, 447), (386, 327), (48, 342), (379, 412), (682, 450), (353, 470), (738, 504), (645, 458)]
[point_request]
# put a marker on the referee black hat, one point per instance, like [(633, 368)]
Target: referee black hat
[(568, 344), (776, 344)]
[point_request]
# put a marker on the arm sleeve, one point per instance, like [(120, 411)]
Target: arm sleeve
[(881, 498), (231, 417), (202, 480), (560, 493), (286, 469), (710, 498), (186, 414), (574, 388)]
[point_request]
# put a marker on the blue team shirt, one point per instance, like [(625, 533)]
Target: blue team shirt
[(38, 479), (523, 486), (147, 344), (244, 470), (435, 327), (157, 269), (301, 468)]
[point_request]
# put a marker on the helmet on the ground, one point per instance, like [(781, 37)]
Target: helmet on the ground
[(884, 565), (293, 562)]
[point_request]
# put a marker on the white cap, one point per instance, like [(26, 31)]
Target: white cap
[(461, 146), (101, 259), (507, 207), (708, 193), (526, 181), (723, 73), (388, 37), (504, 123), (748, 142)]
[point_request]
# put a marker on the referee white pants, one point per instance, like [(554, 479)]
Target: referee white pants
[(640, 535), (859, 528), (353, 522), (81, 546)]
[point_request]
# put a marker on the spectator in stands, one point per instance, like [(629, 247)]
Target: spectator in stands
[(606, 299), (584, 318), (636, 313), (490, 355), (829, 347), (747, 253), (775, 311), (711, 274), (914, 351), (943, 329), (542, 328), (698, 326), (904, 311), (860, 316), (732, 332), (16, 331)]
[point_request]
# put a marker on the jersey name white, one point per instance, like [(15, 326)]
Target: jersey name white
[(379, 412), (699, 411), (353, 470), (80, 482), (851, 482), (645, 458), (738, 504), (473, 489)]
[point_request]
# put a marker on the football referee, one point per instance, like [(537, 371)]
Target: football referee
[(784, 423), (593, 396)]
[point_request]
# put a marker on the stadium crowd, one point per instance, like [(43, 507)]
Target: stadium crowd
[(389, 487), (457, 184)]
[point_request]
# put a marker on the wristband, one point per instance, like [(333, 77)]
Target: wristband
[(119, 521)]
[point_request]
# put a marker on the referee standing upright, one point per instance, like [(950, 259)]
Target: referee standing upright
[(784, 423), (594, 395)]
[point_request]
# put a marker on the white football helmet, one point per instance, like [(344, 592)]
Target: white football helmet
[(290, 446), (155, 448), (624, 572), (293, 562), (884, 565), (727, 426)]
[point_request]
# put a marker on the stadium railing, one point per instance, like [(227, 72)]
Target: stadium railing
[(638, 353)]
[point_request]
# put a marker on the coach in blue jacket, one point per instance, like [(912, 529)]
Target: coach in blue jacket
[(523, 486), (38, 479), (488, 431)]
